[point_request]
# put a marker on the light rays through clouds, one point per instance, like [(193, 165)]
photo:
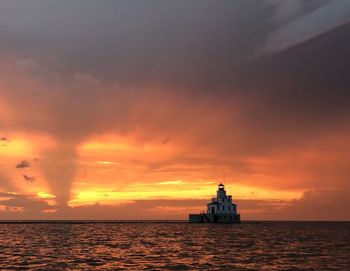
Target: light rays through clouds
[(146, 105)]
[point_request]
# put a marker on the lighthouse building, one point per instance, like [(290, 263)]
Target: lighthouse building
[(222, 204), (220, 210)]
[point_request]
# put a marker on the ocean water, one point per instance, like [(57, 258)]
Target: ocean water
[(175, 246)]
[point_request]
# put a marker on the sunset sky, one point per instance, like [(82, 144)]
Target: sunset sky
[(138, 109)]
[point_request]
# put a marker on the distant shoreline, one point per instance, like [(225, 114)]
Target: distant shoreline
[(149, 221)]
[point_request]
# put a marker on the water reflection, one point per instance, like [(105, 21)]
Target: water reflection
[(175, 246)]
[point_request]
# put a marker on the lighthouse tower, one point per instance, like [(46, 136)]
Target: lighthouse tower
[(220, 210), (222, 204)]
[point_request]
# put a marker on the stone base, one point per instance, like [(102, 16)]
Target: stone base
[(214, 218)]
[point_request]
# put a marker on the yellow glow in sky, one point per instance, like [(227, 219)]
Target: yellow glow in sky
[(174, 190), (44, 195), (16, 148)]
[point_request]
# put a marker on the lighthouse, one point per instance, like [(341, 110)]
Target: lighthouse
[(221, 209)]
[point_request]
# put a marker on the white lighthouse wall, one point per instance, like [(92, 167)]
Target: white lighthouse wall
[(219, 210), (222, 204)]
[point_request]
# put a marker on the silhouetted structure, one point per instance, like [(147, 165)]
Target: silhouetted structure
[(219, 210)]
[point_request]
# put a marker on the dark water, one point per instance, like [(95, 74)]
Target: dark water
[(176, 246)]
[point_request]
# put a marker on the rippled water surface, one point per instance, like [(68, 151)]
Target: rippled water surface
[(175, 246)]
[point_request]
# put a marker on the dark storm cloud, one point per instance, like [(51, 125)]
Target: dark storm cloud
[(204, 47), (28, 203), (23, 164), (137, 42), (312, 206), (320, 20), (305, 89), (140, 209), (200, 44), (332, 204), (29, 179)]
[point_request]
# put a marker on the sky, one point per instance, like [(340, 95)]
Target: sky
[(138, 109)]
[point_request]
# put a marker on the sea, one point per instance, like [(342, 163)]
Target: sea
[(151, 245)]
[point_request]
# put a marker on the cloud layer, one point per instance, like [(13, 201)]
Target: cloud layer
[(324, 18), (23, 164), (122, 95)]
